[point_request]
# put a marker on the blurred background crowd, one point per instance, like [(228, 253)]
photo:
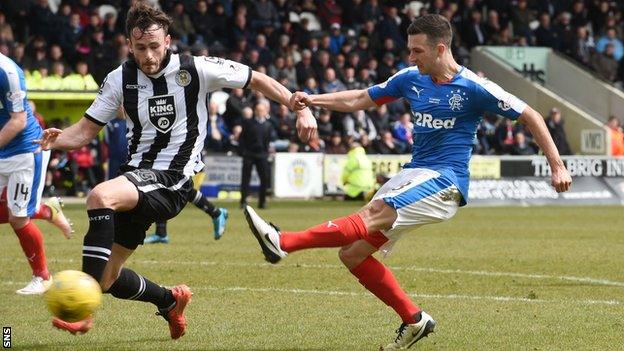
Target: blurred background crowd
[(311, 45)]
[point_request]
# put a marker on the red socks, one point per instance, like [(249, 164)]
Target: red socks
[(379, 280), (335, 233), (44, 212), (31, 240)]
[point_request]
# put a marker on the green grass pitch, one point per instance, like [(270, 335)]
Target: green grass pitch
[(543, 278)]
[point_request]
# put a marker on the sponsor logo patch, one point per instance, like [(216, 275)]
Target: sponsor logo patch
[(162, 112)]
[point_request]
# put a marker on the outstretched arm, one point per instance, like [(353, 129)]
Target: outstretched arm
[(561, 179), (71, 138), (342, 101), (306, 123), (271, 88)]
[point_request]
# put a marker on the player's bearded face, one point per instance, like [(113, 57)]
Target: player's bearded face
[(149, 48)]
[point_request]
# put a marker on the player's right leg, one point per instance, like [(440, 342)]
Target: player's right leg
[(337, 232), (23, 176)]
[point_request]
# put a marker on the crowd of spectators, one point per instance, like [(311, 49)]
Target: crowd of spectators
[(315, 46)]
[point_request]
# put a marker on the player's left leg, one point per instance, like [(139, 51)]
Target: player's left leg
[(160, 236)]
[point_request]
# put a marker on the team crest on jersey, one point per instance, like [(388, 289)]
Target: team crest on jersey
[(162, 112), (503, 105), (456, 98), (183, 78)]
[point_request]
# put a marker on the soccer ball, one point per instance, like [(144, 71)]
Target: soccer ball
[(73, 295)]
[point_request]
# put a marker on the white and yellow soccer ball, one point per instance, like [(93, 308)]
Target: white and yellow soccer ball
[(73, 295)]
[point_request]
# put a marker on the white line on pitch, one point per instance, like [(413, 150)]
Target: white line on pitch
[(416, 295), (587, 280), (365, 294)]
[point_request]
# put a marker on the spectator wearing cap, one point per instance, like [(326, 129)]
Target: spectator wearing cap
[(554, 122), (336, 39)]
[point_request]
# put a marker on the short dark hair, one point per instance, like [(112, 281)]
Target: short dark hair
[(435, 27), (142, 16)]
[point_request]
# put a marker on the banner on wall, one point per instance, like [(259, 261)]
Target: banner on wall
[(504, 180), (224, 173), (298, 175), (525, 181)]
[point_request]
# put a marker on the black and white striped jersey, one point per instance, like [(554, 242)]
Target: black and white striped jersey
[(166, 113)]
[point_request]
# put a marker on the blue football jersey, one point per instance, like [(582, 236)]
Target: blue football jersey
[(446, 116), (13, 99)]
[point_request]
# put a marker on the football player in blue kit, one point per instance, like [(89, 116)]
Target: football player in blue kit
[(447, 103)]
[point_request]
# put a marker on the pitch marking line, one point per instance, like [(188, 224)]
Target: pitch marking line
[(244, 289), (398, 268), (416, 295), (587, 280)]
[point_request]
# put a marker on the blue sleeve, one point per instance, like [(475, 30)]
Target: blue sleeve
[(491, 97), (389, 90), (12, 89)]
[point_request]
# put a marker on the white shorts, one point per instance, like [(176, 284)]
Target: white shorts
[(24, 177), (420, 196)]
